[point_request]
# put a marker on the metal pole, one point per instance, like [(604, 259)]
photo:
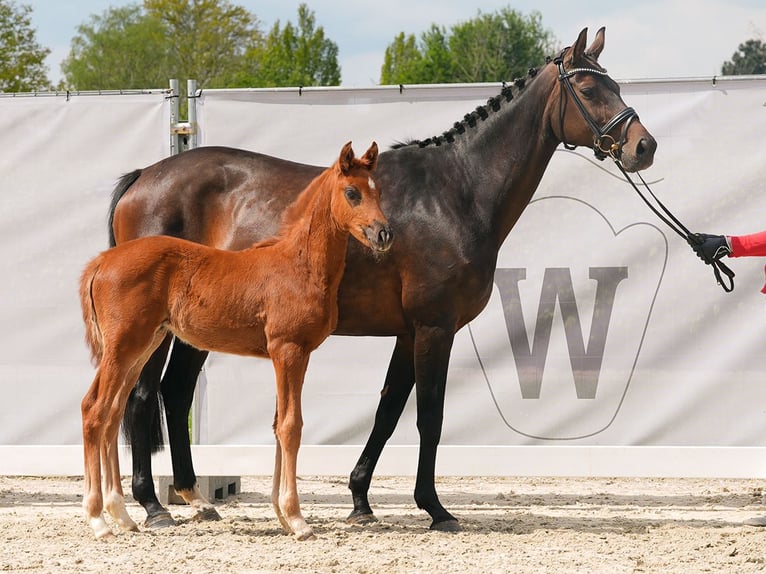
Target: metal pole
[(174, 147), (191, 95)]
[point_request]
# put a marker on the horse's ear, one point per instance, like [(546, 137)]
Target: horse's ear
[(598, 44), (370, 157), (577, 51), (346, 159)]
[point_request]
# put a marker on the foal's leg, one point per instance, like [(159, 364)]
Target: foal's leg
[(92, 434), (115, 397), (114, 497), (290, 363), (399, 382), (276, 480)]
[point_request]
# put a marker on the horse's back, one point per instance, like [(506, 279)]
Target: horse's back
[(223, 197)]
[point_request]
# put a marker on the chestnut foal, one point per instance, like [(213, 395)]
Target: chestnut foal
[(276, 299)]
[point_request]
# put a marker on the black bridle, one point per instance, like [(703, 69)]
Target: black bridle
[(604, 145)]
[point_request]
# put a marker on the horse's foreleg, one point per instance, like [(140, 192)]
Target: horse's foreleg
[(276, 481), (290, 363), (178, 386), (432, 351), (399, 382), (92, 434), (143, 428)]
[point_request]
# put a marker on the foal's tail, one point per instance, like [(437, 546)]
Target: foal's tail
[(123, 184), (93, 336)]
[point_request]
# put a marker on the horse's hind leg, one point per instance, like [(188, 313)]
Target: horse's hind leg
[(143, 428), (92, 436), (399, 382), (178, 385), (114, 496)]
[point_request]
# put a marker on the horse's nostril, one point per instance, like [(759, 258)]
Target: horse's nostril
[(646, 146)]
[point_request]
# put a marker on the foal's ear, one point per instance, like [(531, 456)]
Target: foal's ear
[(598, 44), (346, 159), (577, 51), (370, 157)]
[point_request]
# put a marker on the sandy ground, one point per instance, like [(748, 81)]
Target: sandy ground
[(510, 524)]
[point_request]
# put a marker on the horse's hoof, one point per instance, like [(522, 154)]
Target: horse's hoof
[(206, 514), (451, 525), (361, 518), (756, 521), (307, 534), (157, 521)]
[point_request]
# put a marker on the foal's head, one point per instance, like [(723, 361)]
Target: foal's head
[(355, 202)]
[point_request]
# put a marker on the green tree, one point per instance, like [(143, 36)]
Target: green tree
[(749, 59), (142, 46), (402, 61), (488, 48), (293, 56), (121, 49), (208, 39), (22, 59)]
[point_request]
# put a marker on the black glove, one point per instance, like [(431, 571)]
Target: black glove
[(709, 248)]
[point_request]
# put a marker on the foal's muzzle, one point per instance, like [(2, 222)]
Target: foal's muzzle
[(379, 235)]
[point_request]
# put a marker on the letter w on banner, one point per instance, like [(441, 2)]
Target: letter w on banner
[(563, 330)]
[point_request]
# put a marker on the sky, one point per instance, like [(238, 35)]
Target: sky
[(647, 39)]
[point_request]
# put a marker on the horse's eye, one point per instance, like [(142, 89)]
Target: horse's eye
[(587, 93), (353, 196)]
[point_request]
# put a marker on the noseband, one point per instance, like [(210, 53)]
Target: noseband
[(604, 145)]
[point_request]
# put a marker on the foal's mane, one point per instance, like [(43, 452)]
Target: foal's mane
[(481, 113)]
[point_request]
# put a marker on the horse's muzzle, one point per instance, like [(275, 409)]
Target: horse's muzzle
[(640, 155)]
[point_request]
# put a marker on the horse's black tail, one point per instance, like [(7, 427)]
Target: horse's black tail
[(120, 189), (137, 428), (134, 425)]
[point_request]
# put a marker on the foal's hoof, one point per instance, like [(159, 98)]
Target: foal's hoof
[(159, 520), (206, 514), (306, 534), (446, 526), (361, 518), (106, 535)]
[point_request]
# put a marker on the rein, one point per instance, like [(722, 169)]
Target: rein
[(601, 138)]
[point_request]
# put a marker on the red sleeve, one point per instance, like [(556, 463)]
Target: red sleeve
[(748, 245)]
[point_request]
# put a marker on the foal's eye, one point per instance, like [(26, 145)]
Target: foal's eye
[(352, 195)]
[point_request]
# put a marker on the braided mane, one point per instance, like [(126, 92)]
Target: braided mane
[(481, 113)]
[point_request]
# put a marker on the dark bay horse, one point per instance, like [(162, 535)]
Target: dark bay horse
[(461, 191), (275, 299)]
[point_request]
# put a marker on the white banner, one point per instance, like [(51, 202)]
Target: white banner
[(668, 359)]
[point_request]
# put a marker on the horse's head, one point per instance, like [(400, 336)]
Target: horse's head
[(587, 109), (355, 201)]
